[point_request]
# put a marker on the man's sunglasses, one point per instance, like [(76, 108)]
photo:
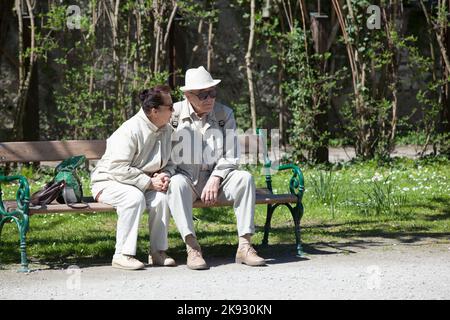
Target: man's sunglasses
[(205, 94)]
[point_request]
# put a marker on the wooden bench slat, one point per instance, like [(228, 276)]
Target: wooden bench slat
[(263, 196), (35, 151)]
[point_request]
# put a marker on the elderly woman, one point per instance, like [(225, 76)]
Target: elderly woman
[(133, 175)]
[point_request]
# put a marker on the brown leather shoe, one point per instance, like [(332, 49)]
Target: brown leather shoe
[(195, 260), (247, 255), (160, 258)]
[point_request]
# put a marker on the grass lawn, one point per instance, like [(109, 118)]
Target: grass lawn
[(404, 200)]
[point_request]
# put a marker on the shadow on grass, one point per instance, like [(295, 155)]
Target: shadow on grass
[(439, 207), (63, 260), (222, 215), (443, 211), (444, 215), (354, 233)]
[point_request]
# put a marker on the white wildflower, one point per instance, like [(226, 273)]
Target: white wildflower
[(377, 177)]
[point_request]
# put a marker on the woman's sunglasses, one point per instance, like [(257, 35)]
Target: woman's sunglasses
[(205, 94), (168, 106)]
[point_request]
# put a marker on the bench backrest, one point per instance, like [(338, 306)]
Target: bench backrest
[(36, 151)]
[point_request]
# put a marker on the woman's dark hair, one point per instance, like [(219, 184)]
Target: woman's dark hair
[(151, 98)]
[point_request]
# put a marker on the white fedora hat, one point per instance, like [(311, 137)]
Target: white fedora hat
[(198, 78)]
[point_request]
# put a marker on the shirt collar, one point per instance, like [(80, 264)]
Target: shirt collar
[(150, 124), (192, 113), (187, 111)]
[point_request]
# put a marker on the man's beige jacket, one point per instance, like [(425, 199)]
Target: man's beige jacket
[(211, 145)]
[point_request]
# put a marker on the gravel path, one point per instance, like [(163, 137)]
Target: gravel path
[(377, 271)]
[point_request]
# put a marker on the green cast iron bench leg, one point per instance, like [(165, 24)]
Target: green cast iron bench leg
[(22, 225), (19, 216), (23, 229), (297, 213), (269, 214), (296, 186)]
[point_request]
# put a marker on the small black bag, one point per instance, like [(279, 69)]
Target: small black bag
[(47, 194)]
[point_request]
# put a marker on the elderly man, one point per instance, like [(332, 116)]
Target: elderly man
[(205, 133)]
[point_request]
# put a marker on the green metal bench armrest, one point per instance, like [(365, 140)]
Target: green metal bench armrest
[(22, 196), (297, 188), (297, 183)]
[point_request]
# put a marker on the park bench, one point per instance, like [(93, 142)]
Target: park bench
[(19, 210)]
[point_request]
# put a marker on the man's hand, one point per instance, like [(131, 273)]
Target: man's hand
[(211, 190), (160, 181)]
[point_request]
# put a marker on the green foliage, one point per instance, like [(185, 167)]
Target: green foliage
[(98, 85), (78, 107), (326, 189), (371, 111), (306, 90), (429, 96), (97, 72), (193, 10), (381, 197), (243, 118)]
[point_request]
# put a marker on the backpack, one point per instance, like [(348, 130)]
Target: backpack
[(72, 192)]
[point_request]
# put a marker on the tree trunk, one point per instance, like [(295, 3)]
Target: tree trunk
[(199, 43), (320, 136), (25, 72), (210, 47), (442, 38), (18, 125), (172, 57), (445, 114), (282, 117), (392, 72), (169, 27), (113, 16), (158, 10), (31, 116), (365, 138), (248, 63), (138, 57)]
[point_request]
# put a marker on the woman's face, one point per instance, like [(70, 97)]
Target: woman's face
[(161, 115)]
